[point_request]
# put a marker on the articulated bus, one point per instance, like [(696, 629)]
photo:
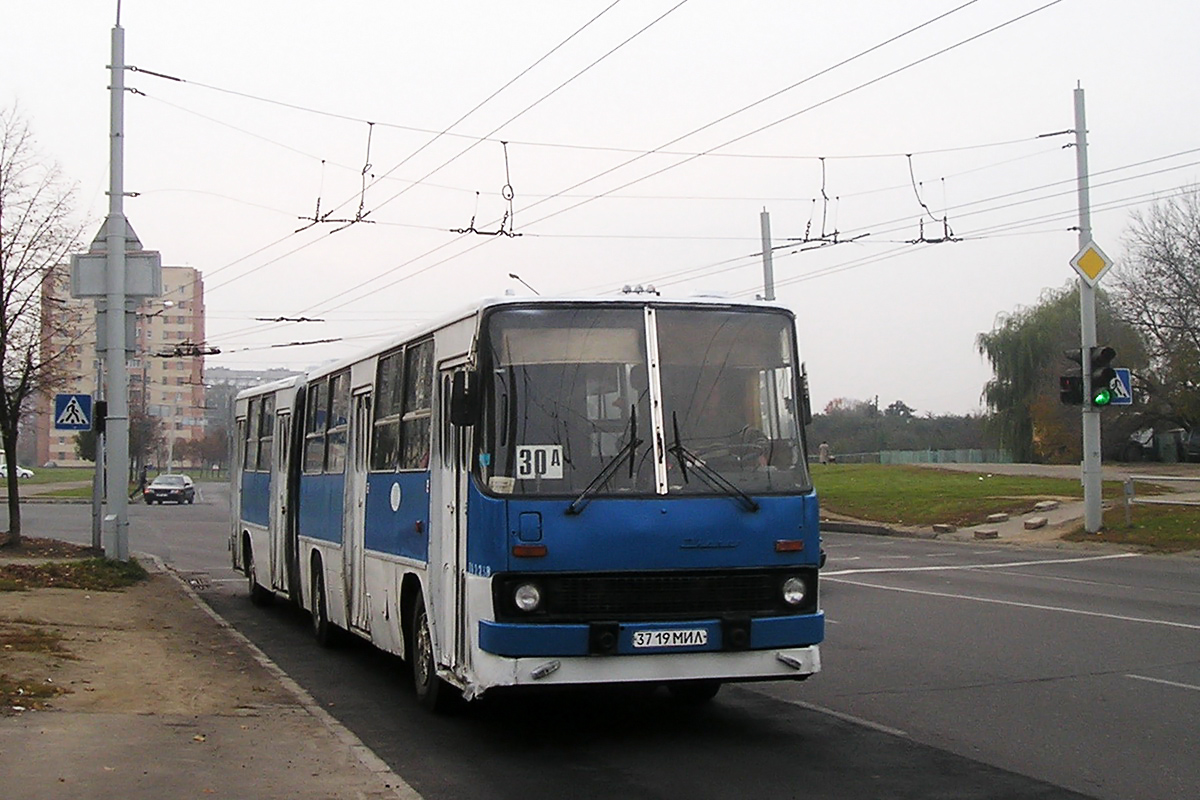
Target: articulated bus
[(545, 492)]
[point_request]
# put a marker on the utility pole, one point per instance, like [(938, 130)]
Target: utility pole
[(768, 265), (117, 381), (1091, 471), (116, 272)]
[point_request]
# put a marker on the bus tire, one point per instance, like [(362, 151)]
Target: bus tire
[(432, 692), (323, 629), (259, 594), (695, 692)]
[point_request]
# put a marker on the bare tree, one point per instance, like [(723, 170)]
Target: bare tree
[(37, 234), (1158, 288)]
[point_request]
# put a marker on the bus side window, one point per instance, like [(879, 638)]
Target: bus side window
[(250, 443), (242, 427), (339, 419), (314, 427), (385, 437), (418, 406), (266, 432)]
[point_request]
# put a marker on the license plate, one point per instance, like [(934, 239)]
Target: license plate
[(693, 637)]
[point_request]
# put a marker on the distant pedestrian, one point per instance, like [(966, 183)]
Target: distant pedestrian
[(823, 453), (141, 489)]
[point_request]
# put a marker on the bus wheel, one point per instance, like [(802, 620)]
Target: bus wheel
[(432, 692), (322, 627), (694, 693), (259, 594)]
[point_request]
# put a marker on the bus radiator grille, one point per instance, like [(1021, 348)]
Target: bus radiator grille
[(654, 596)]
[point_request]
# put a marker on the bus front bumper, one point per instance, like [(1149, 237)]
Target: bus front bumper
[(730, 667)]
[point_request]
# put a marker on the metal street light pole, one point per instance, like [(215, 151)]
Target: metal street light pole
[(117, 392)]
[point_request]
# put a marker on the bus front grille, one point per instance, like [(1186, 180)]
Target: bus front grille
[(654, 595)]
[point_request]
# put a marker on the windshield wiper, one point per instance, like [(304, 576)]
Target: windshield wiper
[(630, 448), (710, 476)]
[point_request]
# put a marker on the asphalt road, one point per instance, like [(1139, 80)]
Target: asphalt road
[(950, 670)]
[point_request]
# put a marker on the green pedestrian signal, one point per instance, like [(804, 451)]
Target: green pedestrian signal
[(1102, 373)]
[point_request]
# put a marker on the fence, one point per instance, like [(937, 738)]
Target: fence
[(1131, 499), (945, 457), (966, 456)]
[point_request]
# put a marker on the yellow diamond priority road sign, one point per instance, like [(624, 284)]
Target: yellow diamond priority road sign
[(1091, 263)]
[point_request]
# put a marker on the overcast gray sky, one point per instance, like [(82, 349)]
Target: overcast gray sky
[(638, 151)]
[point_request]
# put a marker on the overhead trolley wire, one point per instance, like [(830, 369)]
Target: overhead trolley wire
[(528, 108), (795, 114), (680, 276), (669, 143), (464, 116)]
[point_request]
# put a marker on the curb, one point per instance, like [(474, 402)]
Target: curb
[(872, 528), (363, 754)]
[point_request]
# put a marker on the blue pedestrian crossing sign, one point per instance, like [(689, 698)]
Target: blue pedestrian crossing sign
[(72, 412), (1122, 388)]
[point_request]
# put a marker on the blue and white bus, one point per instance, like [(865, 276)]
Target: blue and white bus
[(546, 492)]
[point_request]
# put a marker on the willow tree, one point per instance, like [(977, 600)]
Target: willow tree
[(37, 235), (1026, 351)]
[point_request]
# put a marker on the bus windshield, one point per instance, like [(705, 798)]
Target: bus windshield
[(570, 402)]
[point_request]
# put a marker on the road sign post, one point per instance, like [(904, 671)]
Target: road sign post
[(1091, 263)]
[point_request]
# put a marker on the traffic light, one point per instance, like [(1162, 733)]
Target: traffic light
[(1070, 389), (100, 416), (1070, 385), (1099, 366)]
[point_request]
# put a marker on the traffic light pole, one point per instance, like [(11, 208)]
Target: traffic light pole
[(1091, 468)]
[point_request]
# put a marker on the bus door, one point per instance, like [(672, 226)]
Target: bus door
[(354, 550), (279, 520), (448, 542)]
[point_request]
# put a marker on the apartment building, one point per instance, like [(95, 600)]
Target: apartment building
[(166, 368)]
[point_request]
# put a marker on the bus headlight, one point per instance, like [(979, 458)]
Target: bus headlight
[(527, 597), (794, 591)]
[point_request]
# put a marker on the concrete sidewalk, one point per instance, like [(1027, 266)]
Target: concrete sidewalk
[(162, 699)]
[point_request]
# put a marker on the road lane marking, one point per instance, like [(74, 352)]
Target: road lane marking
[(1005, 565), (1165, 683), (866, 723), (1061, 579), (1014, 603)]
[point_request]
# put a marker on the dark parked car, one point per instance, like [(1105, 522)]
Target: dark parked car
[(177, 488), (1191, 445)]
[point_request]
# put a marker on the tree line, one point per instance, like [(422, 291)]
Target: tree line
[(1148, 309), (860, 426)]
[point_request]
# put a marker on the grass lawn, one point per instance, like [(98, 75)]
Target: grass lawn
[(906, 495), (45, 475), (95, 574), (1167, 529), (77, 491)]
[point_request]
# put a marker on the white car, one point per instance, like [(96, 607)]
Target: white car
[(22, 472)]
